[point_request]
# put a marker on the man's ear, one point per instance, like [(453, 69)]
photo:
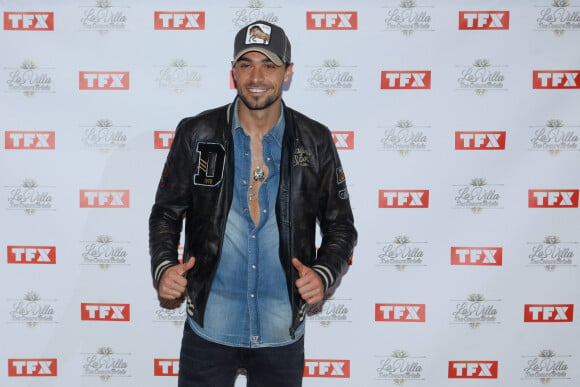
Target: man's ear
[(288, 72)]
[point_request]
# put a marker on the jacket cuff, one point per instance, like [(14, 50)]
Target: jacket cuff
[(325, 274), (158, 273)]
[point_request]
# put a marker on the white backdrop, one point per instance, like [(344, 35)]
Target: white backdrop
[(457, 123)]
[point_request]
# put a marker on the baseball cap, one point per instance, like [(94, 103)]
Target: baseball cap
[(264, 37)]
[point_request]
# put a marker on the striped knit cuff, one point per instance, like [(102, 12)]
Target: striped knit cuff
[(325, 274), (160, 270)]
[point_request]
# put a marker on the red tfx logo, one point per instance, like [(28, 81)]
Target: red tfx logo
[(162, 139), (179, 20), (403, 198), (553, 198), (556, 79), (29, 21), (103, 198), (401, 80), (552, 313), (39, 255), (400, 312), (480, 140), (29, 140), (473, 369), (326, 368), (166, 367), (343, 140), (477, 256), (105, 312), (331, 20), (484, 20), (104, 80), (32, 367)]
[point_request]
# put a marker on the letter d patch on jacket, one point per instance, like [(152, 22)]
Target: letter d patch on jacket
[(212, 159)]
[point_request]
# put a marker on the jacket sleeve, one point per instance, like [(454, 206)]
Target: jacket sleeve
[(335, 217), (172, 200)]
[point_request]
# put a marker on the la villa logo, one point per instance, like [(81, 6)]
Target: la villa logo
[(405, 136), (169, 313), (484, 20), (332, 20), (254, 10), (478, 195), (548, 313), (476, 256), (104, 198), (179, 77), (105, 312), (30, 140), (400, 367), (326, 368), (554, 137), (104, 80), (165, 367), (106, 364), (474, 311), (481, 77), (31, 367), (187, 20), (473, 369), (406, 313), (409, 17), (553, 198), (104, 251), (552, 253), (556, 79), (558, 17), (402, 252), (415, 198), (104, 136), (30, 197), (331, 77), (331, 311), (32, 310), (343, 140), (406, 80), (468, 140), (546, 365), (30, 79), (29, 21), (103, 17), (33, 255), (162, 139)]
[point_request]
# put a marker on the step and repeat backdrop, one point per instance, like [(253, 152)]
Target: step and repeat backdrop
[(458, 124)]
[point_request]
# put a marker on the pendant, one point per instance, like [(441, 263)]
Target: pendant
[(258, 174)]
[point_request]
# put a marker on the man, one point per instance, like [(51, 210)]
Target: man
[(251, 179)]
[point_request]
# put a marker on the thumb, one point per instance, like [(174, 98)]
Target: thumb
[(299, 266), (187, 265)]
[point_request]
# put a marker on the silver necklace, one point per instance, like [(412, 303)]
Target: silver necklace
[(258, 174)]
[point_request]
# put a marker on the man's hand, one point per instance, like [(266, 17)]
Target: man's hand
[(173, 283), (309, 284)]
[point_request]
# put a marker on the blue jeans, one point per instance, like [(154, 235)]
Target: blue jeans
[(203, 363)]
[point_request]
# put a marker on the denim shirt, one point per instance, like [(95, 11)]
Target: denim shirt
[(248, 304)]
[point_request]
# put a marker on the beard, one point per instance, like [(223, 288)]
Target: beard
[(256, 103)]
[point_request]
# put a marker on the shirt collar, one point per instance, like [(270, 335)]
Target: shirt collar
[(276, 132)]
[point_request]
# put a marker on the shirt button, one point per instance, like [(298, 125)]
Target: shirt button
[(254, 267), (253, 237), (264, 211), (252, 295)]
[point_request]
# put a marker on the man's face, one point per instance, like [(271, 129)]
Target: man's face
[(259, 81)]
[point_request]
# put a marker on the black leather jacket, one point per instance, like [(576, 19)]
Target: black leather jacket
[(197, 184)]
